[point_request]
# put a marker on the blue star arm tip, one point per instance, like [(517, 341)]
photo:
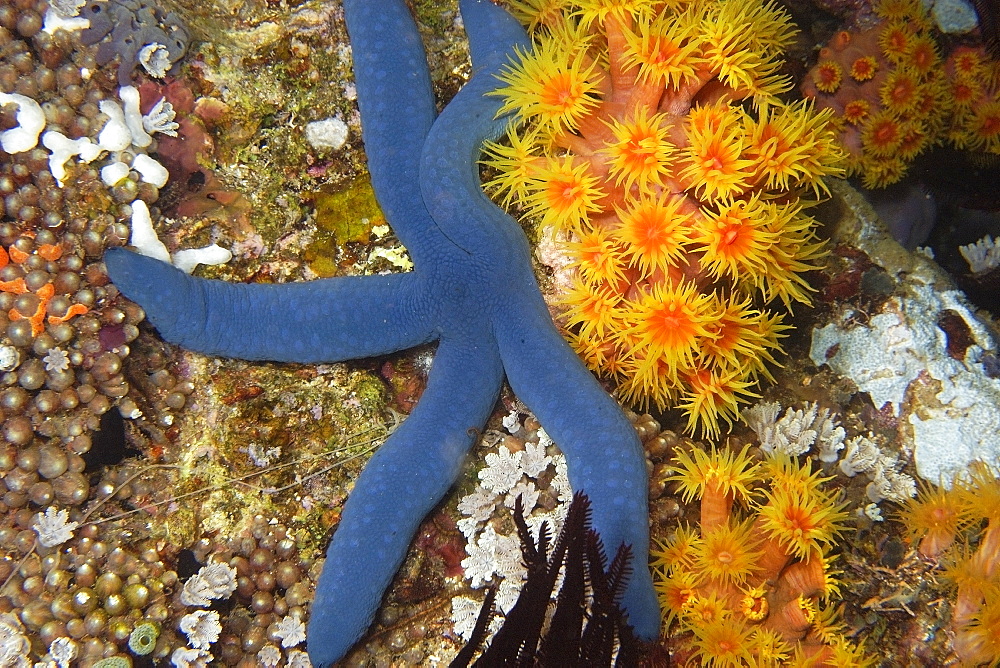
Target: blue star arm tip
[(327, 320), (396, 100), (401, 484), (604, 457)]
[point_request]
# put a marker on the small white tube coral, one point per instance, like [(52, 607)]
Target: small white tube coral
[(53, 527), (186, 260), (144, 236), (161, 119), (202, 628), (30, 123), (982, 255), (62, 148)]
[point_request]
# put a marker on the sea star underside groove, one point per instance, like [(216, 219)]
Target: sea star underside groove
[(472, 289)]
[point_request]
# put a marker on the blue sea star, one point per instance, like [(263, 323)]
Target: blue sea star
[(472, 289)]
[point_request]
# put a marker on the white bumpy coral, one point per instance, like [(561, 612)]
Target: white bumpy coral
[(213, 580)]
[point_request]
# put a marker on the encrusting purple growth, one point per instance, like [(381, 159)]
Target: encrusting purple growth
[(131, 29)]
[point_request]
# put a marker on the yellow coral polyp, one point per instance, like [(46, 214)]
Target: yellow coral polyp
[(598, 11), (804, 524), (722, 470), (677, 551), (654, 232), (713, 164), (552, 83), (654, 139), (882, 134), (724, 642), (984, 127), (789, 146), (712, 396), (564, 193), (900, 92), (640, 153), (596, 310), (599, 258), (734, 240), (739, 338), (662, 51), (669, 322), (732, 594), (827, 76), (864, 68), (727, 553), (895, 40)]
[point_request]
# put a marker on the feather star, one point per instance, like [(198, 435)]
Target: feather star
[(472, 290)]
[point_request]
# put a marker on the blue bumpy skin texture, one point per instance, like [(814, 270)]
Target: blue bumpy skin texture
[(472, 290)]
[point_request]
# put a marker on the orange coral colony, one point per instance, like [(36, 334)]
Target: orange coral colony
[(960, 527), (902, 96), (654, 149), (752, 585)]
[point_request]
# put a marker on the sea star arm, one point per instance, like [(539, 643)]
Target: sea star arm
[(326, 320), (396, 101), (449, 168), (399, 486), (603, 455)]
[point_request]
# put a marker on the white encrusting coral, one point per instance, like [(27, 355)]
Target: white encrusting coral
[(155, 59), (901, 357), (62, 651), (161, 119), (983, 255), (495, 557), (797, 430), (202, 628), (290, 630), (214, 580), (53, 527), (14, 645), (189, 657)]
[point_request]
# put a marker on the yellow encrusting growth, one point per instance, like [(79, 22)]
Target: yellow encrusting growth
[(753, 584), (654, 139)]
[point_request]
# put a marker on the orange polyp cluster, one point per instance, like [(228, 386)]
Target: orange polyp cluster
[(35, 310), (898, 100), (960, 526), (674, 172), (752, 587)]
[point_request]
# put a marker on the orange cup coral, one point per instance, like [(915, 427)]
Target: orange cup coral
[(901, 97), (944, 520), (750, 587), (654, 148)]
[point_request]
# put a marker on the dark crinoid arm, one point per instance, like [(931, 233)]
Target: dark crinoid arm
[(587, 625)]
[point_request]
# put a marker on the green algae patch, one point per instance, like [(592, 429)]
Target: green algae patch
[(346, 214), (349, 214)]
